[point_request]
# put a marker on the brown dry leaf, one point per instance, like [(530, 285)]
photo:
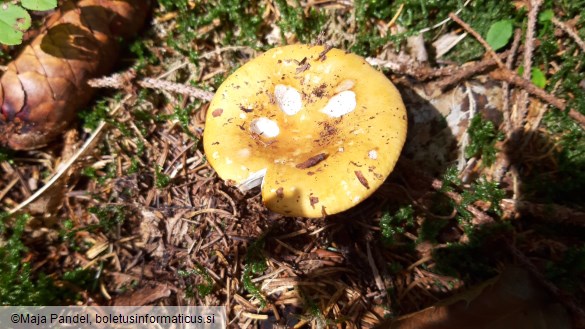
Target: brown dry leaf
[(42, 89), (511, 300)]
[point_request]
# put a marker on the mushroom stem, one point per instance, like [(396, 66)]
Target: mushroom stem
[(254, 180)]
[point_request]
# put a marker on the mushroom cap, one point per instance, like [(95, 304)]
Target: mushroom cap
[(322, 125)]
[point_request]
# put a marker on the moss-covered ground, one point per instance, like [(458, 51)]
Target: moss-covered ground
[(476, 190)]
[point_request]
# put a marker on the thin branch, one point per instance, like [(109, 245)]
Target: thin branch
[(506, 85), (544, 212), (123, 81), (513, 78), (522, 110), (446, 20), (479, 38), (469, 71), (570, 31), (176, 88), (65, 166), (480, 217)]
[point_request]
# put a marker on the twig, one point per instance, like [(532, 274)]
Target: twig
[(506, 85), (552, 213), (65, 167), (406, 65), (122, 81), (522, 110), (570, 31), (503, 163), (513, 78), (176, 87), (479, 38), (480, 216), (375, 272), (469, 70), (443, 22)]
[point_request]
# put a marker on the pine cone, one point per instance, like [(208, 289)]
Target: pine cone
[(44, 87)]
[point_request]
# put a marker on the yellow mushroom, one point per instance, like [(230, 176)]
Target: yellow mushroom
[(318, 128)]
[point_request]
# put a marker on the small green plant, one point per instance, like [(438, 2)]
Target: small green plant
[(109, 217), (203, 289), (161, 180), (255, 264), (480, 190), (500, 34), (18, 284), (392, 225), (183, 115), (15, 19), (484, 190), (306, 27), (483, 135)]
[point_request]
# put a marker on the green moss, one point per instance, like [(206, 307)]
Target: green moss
[(483, 135), (84, 278), (484, 190), (368, 39), (202, 289), (143, 55), (5, 154), (476, 260), (109, 217), (18, 284), (565, 182), (430, 229), (183, 115), (161, 180), (255, 264), (293, 19), (393, 225), (239, 23), (418, 15), (568, 272)]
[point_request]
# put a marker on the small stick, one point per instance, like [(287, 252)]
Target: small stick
[(176, 87), (479, 38), (570, 31), (468, 71), (522, 110), (480, 216), (121, 81), (512, 78), (65, 166), (506, 85)]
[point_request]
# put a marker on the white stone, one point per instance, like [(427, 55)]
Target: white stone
[(373, 154), (288, 99), (265, 127), (340, 104)]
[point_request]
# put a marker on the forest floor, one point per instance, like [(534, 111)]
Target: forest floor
[(492, 175)]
